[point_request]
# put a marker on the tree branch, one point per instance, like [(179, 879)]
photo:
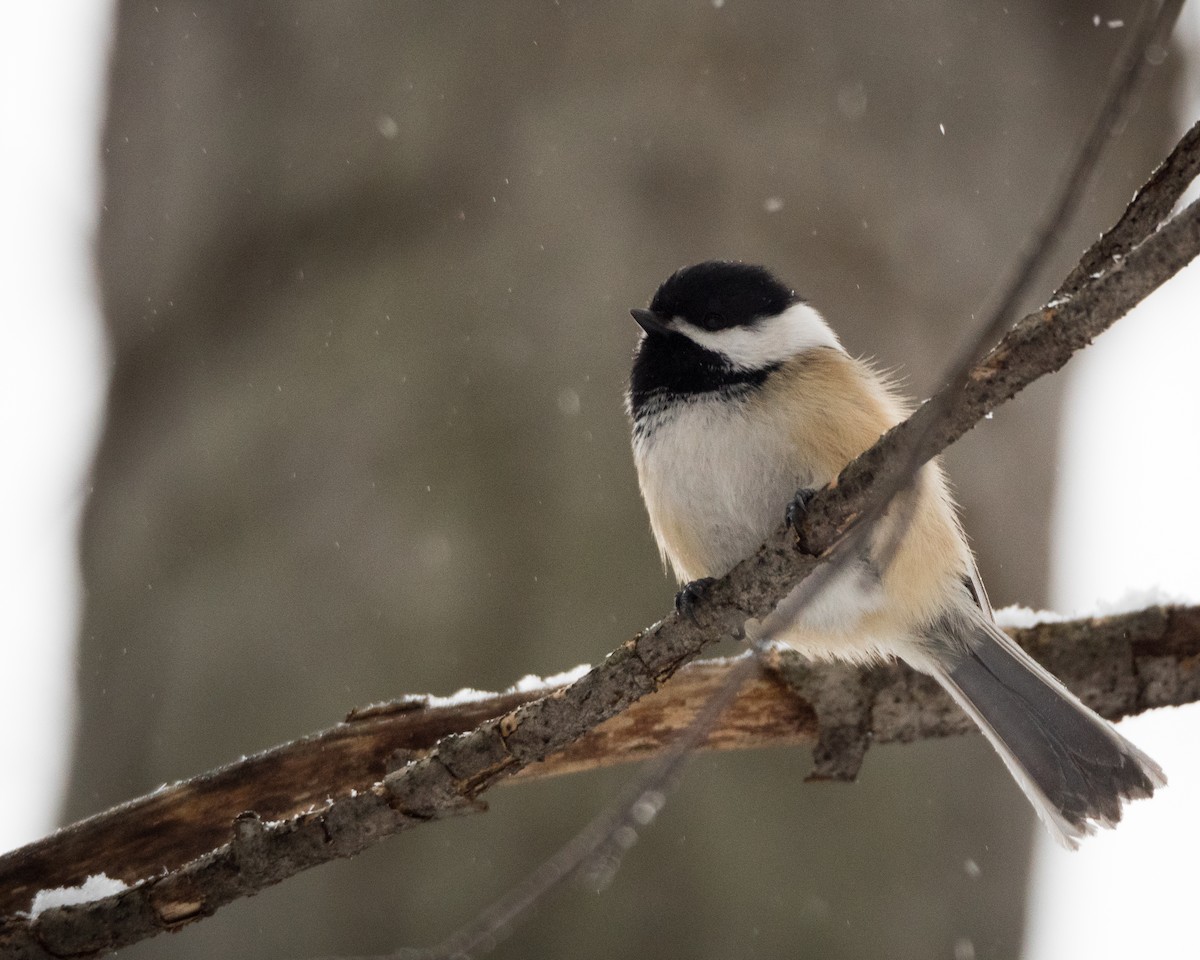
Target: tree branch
[(448, 779), (1119, 665)]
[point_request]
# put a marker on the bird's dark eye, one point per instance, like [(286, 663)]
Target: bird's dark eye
[(712, 321)]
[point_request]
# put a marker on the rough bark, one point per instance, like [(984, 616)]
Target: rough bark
[(448, 779), (257, 559), (230, 832)]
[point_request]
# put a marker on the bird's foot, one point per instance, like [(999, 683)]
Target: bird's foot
[(799, 507), (692, 594)]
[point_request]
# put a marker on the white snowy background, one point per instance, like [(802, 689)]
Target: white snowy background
[(1133, 423), (54, 61)]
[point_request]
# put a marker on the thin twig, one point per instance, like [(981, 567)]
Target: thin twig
[(462, 767), (1153, 26), (1149, 209), (444, 783), (605, 831)]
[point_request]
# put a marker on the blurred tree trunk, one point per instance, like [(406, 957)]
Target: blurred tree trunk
[(366, 269)]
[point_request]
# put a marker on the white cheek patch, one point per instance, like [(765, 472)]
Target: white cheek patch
[(770, 341)]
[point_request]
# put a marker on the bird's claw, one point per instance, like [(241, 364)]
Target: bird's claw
[(692, 593), (798, 507)]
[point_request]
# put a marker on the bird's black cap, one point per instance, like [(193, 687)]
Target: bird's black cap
[(719, 294)]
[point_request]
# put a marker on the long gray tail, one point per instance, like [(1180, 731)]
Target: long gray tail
[(1074, 767)]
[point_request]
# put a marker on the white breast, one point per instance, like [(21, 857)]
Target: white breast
[(716, 476)]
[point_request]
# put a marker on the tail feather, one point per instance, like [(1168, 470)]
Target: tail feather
[(1074, 766)]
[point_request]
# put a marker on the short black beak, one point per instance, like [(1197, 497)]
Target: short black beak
[(649, 321)]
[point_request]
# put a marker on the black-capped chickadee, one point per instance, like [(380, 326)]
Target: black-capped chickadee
[(740, 396)]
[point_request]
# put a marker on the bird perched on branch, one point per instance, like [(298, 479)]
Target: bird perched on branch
[(743, 403)]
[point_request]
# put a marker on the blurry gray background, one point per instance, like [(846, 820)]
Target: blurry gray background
[(366, 270)]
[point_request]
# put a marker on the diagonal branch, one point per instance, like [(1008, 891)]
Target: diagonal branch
[(449, 779), (1148, 210), (915, 447), (605, 835), (1040, 343)]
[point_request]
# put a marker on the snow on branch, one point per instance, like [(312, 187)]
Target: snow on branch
[(327, 795)]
